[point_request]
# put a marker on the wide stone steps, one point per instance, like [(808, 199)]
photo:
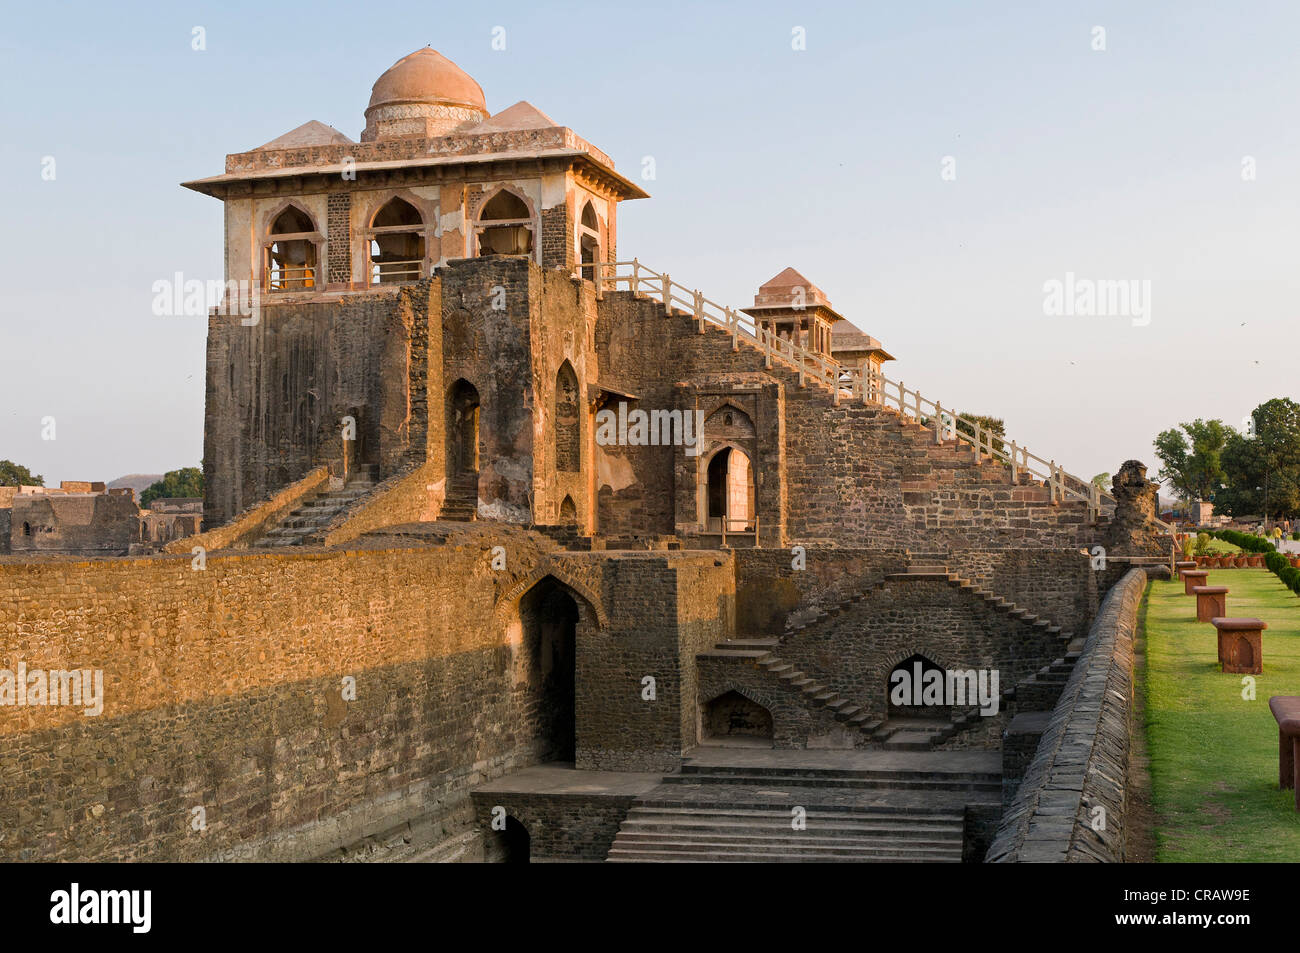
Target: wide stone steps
[(315, 513), (679, 834)]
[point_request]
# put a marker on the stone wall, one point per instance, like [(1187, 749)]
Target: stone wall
[(278, 390), (664, 607), (560, 826), (1058, 585), (223, 692), (1072, 803)]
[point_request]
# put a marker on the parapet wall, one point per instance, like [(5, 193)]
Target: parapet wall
[(224, 721), (1072, 804)]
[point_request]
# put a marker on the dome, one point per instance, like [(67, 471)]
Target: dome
[(423, 94), (426, 76)]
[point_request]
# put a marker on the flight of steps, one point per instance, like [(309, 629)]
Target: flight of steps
[(922, 435), (870, 811), (906, 734), (671, 834), (316, 512), (912, 735), (461, 504)]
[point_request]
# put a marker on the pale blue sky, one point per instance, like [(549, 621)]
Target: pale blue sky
[(1122, 164)]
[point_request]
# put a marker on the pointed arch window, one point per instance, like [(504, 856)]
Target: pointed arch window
[(291, 252), (397, 244), (588, 241), (505, 226)]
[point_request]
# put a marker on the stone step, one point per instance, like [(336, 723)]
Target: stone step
[(820, 823), (645, 855), (756, 643), (734, 653), (830, 776), (918, 782), (790, 847)]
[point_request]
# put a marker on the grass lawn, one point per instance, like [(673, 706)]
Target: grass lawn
[(1219, 547), (1214, 754)]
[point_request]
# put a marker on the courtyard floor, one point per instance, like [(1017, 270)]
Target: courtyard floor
[(1213, 753)]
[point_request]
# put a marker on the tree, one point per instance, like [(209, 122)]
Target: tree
[(186, 482), (1101, 481), (1277, 431), (1191, 455), (992, 429), (1247, 474), (11, 474)]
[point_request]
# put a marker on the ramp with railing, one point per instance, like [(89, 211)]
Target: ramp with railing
[(845, 382)]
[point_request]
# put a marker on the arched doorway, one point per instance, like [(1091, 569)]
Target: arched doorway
[(568, 511), (548, 657), (462, 439), (915, 689), (568, 431), (733, 719), (730, 492), (513, 845)]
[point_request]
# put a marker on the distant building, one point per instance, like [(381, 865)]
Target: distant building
[(85, 518)]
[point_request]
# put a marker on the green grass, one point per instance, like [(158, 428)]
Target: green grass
[(1218, 547), (1214, 754)]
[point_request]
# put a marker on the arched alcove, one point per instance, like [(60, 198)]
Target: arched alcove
[(734, 718)]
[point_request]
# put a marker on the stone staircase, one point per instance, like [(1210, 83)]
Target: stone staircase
[(673, 834), (909, 734), (461, 504), (910, 412), (868, 808), (316, 512)]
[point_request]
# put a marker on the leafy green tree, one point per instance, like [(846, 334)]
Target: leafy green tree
[(1256, 485), (11, 474), (187, 481), (1191, 455), (993, 426), (1277, 430), (1102, 481)]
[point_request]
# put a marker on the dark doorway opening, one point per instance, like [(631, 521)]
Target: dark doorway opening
[(550, 617), (914, 674)]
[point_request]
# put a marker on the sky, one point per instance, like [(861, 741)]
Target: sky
[(933, 167)]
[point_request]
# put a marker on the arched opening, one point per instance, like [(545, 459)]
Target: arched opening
[(505, 226), (730, 491), (568, 432), (396, 243), (733, 719), (516, 844), (509, 845), (548, 655), (462, 429), (588, 240), (915, 689), (568, 511), (27, 528), (1245, 654), (291, 252), (462, 439)]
